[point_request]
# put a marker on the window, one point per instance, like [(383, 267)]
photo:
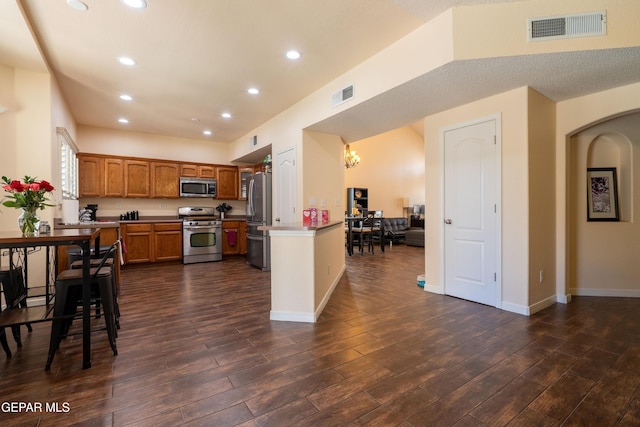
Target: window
[(68, 165)]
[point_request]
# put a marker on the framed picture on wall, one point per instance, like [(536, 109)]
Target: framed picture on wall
[(602, 194)]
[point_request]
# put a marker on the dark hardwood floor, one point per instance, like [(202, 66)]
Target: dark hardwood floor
[(197, 348)]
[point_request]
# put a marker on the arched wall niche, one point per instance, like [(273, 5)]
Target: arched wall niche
[(602, 259), (613, 149)]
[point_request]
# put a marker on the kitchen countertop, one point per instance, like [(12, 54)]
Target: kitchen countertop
[(93, 224), (298, 226), (114, 222)]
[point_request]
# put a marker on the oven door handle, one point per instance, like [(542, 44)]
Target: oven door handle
[(201, 227)]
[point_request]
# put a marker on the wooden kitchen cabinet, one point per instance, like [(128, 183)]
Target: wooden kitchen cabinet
[(239, 246), (243, 182), (138, 242), (91, 172), (165, 179), (167, 241), (136, 178), (197, 171), (113, 177), (227, 181), (152, 242)]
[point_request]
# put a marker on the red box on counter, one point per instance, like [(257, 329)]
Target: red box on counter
[(325, 216), (306, 218)]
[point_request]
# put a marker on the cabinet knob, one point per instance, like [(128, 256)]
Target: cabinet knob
[(448, 221)]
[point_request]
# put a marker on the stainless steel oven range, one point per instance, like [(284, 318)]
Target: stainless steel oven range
[(201, 235)]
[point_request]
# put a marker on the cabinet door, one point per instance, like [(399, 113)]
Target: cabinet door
[(114, 177), (91, 176), (137, 238), (165, 179), (136, 178), (205, 171), (168, 241), (244, 175), (189, 170), (227, 177), (230, 237)]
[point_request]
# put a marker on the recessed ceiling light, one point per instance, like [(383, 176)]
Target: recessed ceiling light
[(195, 119), (136, 4), (293, 54), (253, 91), (226, 115), (207, 132), (126, 61), (123, 120), (77, 5), (126, 97)]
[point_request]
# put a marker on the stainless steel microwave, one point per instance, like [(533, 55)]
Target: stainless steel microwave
[(198, 187)]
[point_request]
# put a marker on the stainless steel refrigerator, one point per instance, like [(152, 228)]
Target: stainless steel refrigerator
[(259, 213)]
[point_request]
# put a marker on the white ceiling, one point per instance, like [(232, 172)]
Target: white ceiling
[(196, 58)]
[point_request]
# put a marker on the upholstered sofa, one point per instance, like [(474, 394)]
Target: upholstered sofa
[(394, 229)]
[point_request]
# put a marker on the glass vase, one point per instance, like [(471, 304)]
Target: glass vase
[(29, 222)]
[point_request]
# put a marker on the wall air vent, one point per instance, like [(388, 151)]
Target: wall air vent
[(342, 96), (567, 26)]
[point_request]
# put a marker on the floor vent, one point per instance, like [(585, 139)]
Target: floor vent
[(342, 96), (567, 26)]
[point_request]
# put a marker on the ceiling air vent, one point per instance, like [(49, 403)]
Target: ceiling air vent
[(567, 26), (342, 96)]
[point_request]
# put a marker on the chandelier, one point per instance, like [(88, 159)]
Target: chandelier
[(351, 159)]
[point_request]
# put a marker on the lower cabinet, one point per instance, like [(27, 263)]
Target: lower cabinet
[(234, 237), (152, 242)]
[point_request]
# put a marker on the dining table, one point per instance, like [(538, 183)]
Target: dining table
[(351, 219), (16, 243)]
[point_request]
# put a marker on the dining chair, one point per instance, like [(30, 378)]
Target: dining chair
[(364, 232), (15, 295), (69, 292)]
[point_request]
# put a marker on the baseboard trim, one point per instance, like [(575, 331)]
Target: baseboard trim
[(292, 316), (516, 308), (624, 293), (541, 305)]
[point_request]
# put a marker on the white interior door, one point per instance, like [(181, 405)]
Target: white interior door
[(471, 212), (285, 172)]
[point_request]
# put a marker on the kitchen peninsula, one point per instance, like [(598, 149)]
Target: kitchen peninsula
[(304, 268)]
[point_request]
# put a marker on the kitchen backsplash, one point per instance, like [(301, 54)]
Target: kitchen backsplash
[(110, 207)]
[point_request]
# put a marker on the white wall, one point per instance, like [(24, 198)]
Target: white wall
[(512, 106), (392, 168), (573, 116)]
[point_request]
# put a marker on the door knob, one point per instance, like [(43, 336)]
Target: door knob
[(447, 221)]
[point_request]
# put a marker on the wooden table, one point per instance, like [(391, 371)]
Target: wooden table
[(80, 237), (350, 220)]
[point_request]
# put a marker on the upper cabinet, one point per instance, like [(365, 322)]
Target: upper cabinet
[(227, 181), (197, 171), (136, 178), (244, 174), (114, 176), (165, 179), (91, 172)]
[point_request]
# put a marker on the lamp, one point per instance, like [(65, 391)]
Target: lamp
[(351, 159)]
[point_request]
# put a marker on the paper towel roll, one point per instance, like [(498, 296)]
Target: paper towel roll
[(70, 211)]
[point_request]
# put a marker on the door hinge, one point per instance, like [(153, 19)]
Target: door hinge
[(494, 139), (495, 208), (495, 277)]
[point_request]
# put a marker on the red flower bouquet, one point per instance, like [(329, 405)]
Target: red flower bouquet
[(30, 196)]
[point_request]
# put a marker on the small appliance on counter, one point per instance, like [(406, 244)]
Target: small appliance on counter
[(93, 210)]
